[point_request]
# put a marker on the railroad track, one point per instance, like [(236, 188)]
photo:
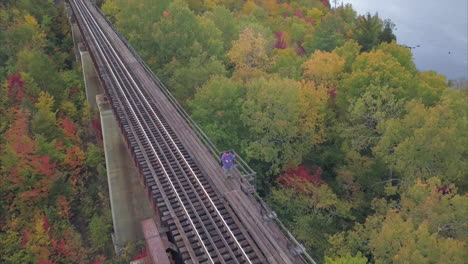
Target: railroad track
[(202, 226)]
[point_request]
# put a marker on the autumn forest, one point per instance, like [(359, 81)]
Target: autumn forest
[(361, 155)]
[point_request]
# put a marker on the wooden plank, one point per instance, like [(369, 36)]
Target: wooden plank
[(255, 225)]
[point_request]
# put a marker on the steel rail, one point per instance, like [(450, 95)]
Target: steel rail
[(167, 135), (141, 127), (204, 138), (144, 114), (171, 139)]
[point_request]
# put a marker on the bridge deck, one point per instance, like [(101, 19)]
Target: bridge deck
[(268, 241)]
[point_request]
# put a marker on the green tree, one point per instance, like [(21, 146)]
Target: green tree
[(402, 54), (250, 51), (217, 107), (311, 214), (186, 78), (44, 120), (347, 13), (379, 69), (297, 28), (273, 114), (227, 23), (48, 148), (287, 64), (177, 34), (426, 142), (368, 30), (359, 180), (99, 232), (348, 52), (414, 244), (348, 259), (376, 105), (42, 70), (387, 32), (94, 156), (11, 250), (25, 32), (430, 87), (328, 35), (424, 226)]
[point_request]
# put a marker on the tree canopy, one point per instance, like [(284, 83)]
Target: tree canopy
[(361, 155), (304, 90)]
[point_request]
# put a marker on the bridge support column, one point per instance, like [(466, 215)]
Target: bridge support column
[(91, 81), (76, 33), (155, 243), (128, 200)]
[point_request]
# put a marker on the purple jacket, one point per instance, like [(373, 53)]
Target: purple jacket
[(228, 160)]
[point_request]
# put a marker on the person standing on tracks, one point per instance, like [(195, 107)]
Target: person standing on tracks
[(227, 161)]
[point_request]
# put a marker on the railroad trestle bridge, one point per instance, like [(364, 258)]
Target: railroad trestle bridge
[(199, 216)]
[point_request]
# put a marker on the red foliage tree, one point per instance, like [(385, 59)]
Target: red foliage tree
[(64, 207), (100, 259), (73, 91), (45, 224), (300, 50), (74, 163), (96, 125), (60, 246), (301, 174), (141, 255), (31, 175), (70, 247), (298, 13), (310, 21), (332, 92), (280, 41), (46, 171), (69, 129), (25, 238), (16, 87), (17, 135), (46, 262)]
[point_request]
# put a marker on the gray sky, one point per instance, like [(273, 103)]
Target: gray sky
[(439, 26)]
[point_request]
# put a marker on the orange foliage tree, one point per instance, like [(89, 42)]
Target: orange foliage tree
[(26, 175)]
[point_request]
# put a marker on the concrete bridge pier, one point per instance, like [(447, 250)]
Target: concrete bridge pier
[(91, 81), (128, 200), (76, 33)]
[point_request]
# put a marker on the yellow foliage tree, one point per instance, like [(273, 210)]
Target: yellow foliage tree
[(249, 7), (249, 51), (39, 36), (349, 51), (45, 101), (323, 67), (272, 7), (315, 14), (313, 101), (211, 4), (111, 9), (427, 141)]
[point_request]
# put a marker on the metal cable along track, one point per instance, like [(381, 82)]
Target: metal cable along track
[(199, 222)]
